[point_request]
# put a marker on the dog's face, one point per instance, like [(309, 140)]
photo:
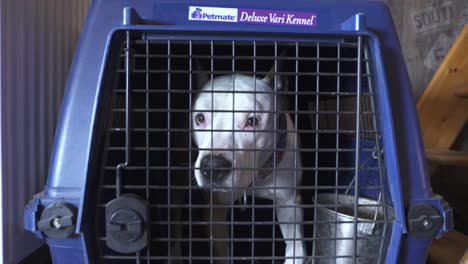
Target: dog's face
[(234, 122)]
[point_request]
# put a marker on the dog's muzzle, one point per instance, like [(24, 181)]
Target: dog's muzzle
[(214, 168)]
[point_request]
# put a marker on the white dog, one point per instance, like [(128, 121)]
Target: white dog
[(225, 115)]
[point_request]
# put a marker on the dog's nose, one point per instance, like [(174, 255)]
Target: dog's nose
[(215, 167)]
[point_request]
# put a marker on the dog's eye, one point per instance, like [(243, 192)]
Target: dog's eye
[(252, 122), (199, 119)]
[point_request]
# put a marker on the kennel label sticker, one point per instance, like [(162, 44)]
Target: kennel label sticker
[(252, 16), (433, 17), (438, 51), (276, 17), (215, 14)]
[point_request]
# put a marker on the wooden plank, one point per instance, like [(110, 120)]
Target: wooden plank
[(449, 249), (462, 90), (442, 114), (447, 157), (465, 258)]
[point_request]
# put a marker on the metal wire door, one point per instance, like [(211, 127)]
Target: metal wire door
[(150, 151)]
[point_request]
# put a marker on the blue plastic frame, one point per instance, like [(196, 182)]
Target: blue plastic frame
[(71, 166)]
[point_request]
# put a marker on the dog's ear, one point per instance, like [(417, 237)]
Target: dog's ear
[(274, 76), (201, 75)]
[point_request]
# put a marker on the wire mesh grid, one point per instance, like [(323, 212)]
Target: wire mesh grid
[(218, 135)]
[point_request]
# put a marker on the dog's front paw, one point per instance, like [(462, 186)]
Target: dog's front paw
[(295, 253), (298, 260)]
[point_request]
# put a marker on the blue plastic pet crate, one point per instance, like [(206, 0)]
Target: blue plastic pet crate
[(120, 187)]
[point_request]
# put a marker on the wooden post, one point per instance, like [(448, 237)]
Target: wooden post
[(442, 109)]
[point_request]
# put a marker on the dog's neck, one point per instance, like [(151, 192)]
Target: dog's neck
[(277, 155)]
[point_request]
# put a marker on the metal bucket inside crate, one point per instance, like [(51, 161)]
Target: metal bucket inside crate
[(335, 234)]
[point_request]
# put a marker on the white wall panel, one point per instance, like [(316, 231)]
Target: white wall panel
[(37, 42)]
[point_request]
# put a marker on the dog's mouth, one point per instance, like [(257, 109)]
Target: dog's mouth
[(224, 184), (221, 174), (214, 170), (220, 188), (230, 182)]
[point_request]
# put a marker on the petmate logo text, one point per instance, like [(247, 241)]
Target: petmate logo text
[(216, 14)]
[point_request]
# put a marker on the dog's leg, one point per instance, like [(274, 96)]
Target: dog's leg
[(217, 231), (176, 250), (290, 217)]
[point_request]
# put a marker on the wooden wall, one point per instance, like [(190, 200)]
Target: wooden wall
[(427, 29)]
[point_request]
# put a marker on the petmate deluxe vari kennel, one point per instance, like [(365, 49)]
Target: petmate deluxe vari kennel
[(238, 132)]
